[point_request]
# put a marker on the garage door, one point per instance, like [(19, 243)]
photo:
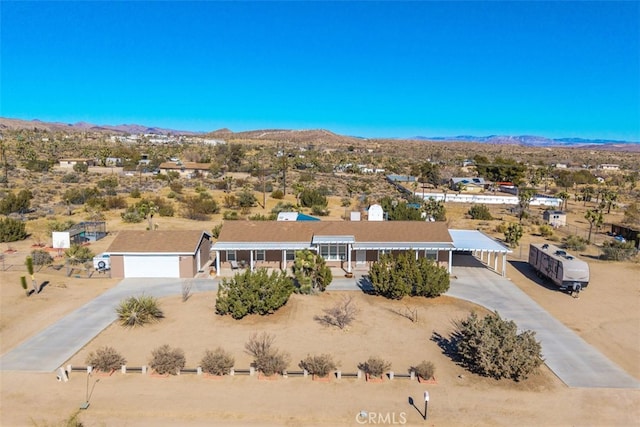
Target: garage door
[(151, 266)]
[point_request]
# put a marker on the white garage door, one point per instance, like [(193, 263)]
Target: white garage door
[(151, 266)]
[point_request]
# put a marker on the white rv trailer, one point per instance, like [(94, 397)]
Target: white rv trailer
[(559, 267)]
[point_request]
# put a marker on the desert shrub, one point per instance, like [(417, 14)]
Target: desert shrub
[(41, 257), (277, 194), (15, 202), (574, 242), (311, 197), (78, 254), (81, 167), (70, 178), (135, 193), (402, 275), (37, 165), (230, 215), (320, 210), (342, 314), (199, 207), (176, 187), (80, 196), (215, 231), (618, 251), (374, 366), (12, 230), (217, 362), (60, 225), (320, 365), (501, 228), (105, 359), (480, 212), (131, 217), (493, 347), (266, 358), (253, 292), (545, 230), (425, 370), (261, 217), (282, 207), (138, 311), (115, 202), (311, 272), (167, 360)]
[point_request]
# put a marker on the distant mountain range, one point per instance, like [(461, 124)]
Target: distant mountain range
[(530, 140), (320, 135)]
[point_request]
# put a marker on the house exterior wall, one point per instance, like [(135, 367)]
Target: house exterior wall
[(187, 266), (117, 266)]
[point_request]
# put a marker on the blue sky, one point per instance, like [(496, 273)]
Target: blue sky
[(373, 69)]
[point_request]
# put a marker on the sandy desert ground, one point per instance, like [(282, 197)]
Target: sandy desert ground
[(607, 315)]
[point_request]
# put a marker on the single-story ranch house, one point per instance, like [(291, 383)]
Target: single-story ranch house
[(347, 244), (159, 253)]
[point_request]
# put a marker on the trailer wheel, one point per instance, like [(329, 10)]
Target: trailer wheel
[(101, 265), (576, 290)]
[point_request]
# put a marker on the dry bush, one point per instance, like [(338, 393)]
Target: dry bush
[(342, 314), (105, 359), (425, 370), (186, 289), (375, 366), (167, 360), (137, 311), (410, 313), (266, 358), (217, 362), (320, 365)]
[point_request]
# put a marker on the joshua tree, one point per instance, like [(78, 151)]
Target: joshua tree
[(29, 263)]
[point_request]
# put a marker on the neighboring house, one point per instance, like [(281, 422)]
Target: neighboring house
[(178, 254), (186, 168), (560, 165), (555, 218), (507, 187), (628, 232), (70, 163), (113, 161), (609, 167), (468, 185)]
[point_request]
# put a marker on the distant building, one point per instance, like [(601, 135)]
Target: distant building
[(628, 232), (555, 218), (69, 163), (469, 185), (186, 168), (609, 167)]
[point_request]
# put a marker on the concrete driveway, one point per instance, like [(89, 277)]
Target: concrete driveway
[(50, 348), (575, 362)]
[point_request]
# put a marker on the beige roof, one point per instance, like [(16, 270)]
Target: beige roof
[(362, 231), (175, 241)]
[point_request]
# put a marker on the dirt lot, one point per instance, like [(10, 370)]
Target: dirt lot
[(606, 315)]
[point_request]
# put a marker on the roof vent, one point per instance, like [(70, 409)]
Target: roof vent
[(545, 246)]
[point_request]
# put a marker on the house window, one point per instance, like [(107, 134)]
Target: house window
[(291, 255), (431, 254), (260, 255), (231, 256), (333, 252)]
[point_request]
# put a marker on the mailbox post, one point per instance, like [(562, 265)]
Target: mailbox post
[(426, 404)]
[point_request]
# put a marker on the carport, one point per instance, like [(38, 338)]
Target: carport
[(481, 246)]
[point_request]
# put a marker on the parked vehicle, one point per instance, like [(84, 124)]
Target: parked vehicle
[(559, 267)]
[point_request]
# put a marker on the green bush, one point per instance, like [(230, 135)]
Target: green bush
[(492, 347), (253, 293), (217, 362), (13, 203), (319, 365), (138, 311), (618, 251), (70, 178), (403, 275), (374, 366), (310, 197), (545, 230), (167, 360), (135, 193), (266, 358), (105, 359), (574, 242), (480, 212), (425, 370), (230, 216), (277, 194), (310, 272), (78, 254), (12, 230), (513, 234)]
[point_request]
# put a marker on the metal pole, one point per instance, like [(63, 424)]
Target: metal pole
[(426, 404)]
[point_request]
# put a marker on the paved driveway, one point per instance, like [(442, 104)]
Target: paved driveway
[(50, 348), (575, 362)]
